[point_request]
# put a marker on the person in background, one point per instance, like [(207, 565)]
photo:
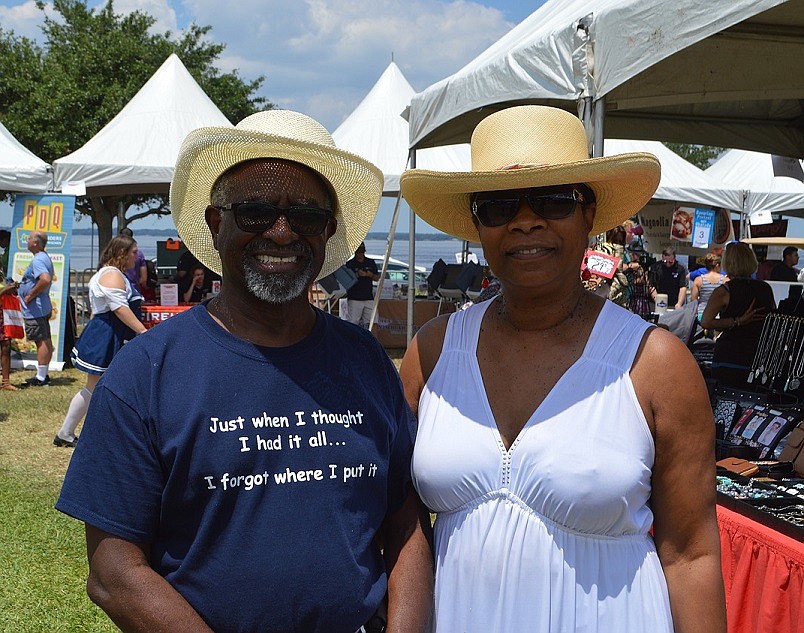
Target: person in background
[(669, 277), (151, 282), (784, 270), (360, 297), (737, 308), (193, 291), (34, 294), (112, 323), (704, 285), (639, 288), (5, 244), (573, 490), (5, 289), (138, 273), (185, 265)]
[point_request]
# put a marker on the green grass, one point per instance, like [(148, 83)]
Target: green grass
[(43, 567)]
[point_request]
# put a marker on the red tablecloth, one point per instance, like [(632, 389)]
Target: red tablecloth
[(153, 314), (763, 572)]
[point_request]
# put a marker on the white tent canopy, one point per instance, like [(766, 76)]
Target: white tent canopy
[(681, 181), (765, 191), (137, 150), (20, 169), (696, 71), (377, 131)]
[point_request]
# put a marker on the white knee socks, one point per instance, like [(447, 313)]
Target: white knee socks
[(78, 409)]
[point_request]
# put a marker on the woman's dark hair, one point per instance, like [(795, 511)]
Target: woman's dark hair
[(616, 236)]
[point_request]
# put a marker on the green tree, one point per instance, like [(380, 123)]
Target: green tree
[(699, 155), (55, 97)]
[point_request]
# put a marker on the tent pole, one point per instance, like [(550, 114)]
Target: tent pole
[(411, 259), (388, 245), (587, 121), (599, 117)]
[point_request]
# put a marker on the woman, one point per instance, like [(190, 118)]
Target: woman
[(704, 285), (737, 309), (194, 292), (548, 440), (112, 323), (640, 290)]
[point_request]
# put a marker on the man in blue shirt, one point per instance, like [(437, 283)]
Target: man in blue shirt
[(34, 294), (269, 489)]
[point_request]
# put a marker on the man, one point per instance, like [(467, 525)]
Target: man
[(138, 274), (256, 495), (184, 267), (5, 242), (784, 271), (360, 297), (670, 278), (34, 294)]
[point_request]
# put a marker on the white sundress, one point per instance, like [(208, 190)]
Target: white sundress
[(551, 535)]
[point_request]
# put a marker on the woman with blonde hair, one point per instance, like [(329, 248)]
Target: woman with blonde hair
[(112, 323), (704, 285), (737, 308)]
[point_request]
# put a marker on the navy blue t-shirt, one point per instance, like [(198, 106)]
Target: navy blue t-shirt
[(259, 476)]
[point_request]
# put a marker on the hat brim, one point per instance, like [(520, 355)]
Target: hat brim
[(208, 152), (623, 184)]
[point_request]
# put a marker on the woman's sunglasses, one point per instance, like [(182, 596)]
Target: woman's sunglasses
[(498, 208), (258, 217)]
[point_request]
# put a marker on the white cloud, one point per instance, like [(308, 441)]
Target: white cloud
[(24, 19), (322, 56), (160, 10)]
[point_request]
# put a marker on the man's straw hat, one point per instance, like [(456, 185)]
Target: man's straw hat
[(531, 146), (208, 152)]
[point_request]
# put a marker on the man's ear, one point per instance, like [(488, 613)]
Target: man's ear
[(212, 215), (589, 211), (332, 226)]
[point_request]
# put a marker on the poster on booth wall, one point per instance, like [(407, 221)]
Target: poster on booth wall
[(51, 214), (656, 219)]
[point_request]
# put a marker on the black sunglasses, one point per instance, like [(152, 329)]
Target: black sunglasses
[(258, 217), (498, 208)]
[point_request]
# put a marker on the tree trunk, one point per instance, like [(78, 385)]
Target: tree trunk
[(104, 211)]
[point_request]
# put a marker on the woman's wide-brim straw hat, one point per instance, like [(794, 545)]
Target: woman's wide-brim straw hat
[(356, 184), (531, 146)]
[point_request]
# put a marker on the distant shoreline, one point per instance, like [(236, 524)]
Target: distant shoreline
[(374, 235)]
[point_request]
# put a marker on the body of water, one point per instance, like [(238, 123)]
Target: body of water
[(83, 253)]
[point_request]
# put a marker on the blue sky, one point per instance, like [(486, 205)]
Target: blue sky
[(321, 57)]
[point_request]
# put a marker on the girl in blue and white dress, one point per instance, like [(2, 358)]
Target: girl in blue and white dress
[(111, 325)]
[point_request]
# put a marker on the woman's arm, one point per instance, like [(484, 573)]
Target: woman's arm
[(718, 302), (420, 359), (696, 288), (124, 313), (683, 482)]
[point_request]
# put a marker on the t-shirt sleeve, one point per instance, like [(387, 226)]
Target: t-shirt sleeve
[(114, 481), (373, 267), (38, 266)]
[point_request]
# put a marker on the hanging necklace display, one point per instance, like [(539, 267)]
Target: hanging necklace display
[(758, 366), (786, 356), (780, 351), (773, 340), (797, 367)]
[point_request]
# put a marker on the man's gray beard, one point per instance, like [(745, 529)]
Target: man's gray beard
[(277, 287)]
